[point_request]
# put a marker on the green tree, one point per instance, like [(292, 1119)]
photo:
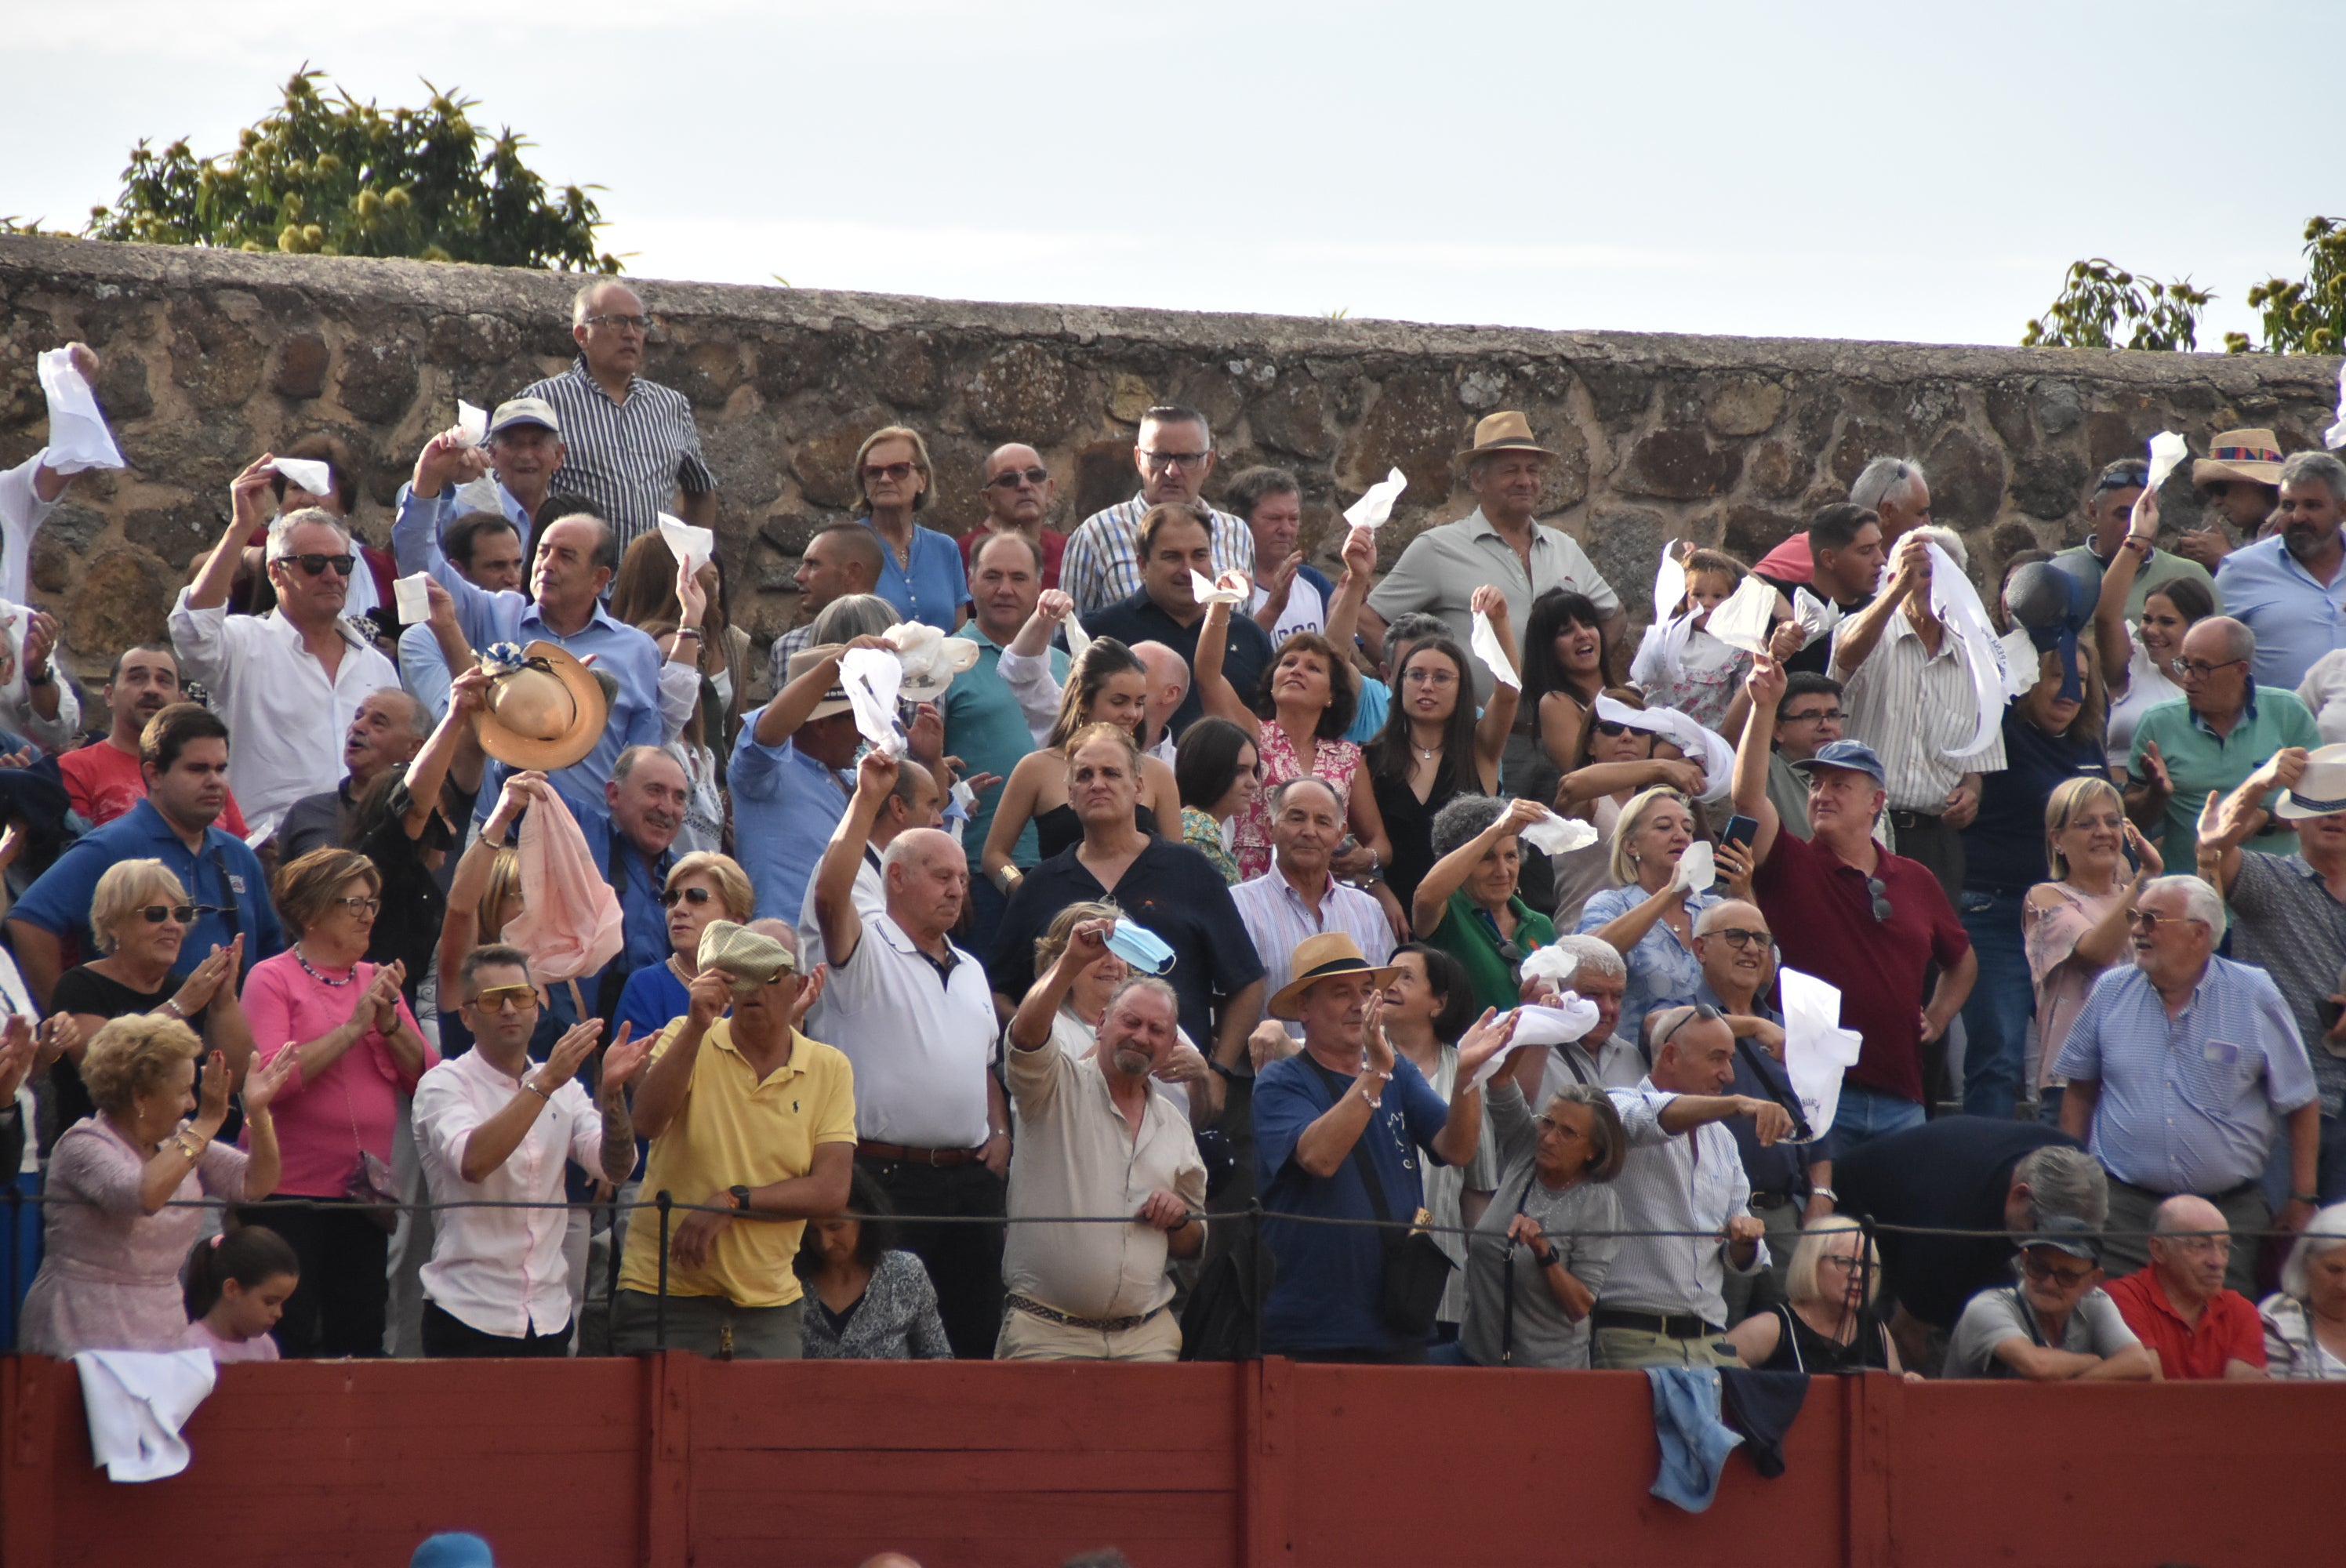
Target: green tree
[(2307, 317), (2099, 301), (333, 176)]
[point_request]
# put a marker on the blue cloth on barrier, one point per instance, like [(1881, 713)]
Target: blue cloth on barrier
[(1695, 1441)]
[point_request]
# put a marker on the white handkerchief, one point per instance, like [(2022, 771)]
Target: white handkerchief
[(872, 678), (1817, 1049), (78, 438), (471, 423), (1078, 639), (2166, 451), (1373, 508), (2335, 436), (305, 474), (1696, 744), (1551, 963), (481, 494), (413, 599), (1957, 605), (1746, 616), (1569, 1019), (964, 796), (138, 1401), (1556, 835), (2020, 661), (1207, 592), (1817, 617), (1698, 867), (687, 543), (1485, 641), (1670, 582)]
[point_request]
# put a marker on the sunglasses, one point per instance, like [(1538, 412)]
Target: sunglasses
[(1700, 1013), (1739, 939), (2042, 1271), (693, 896), (1880, 892), (315, 566), (157, 913), (898, 471), (2122, 479), (506, 999), (1012, 478), (1611, 728)]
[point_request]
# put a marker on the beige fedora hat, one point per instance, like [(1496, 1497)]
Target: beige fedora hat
[(1505, 430), (2250, 455), (546, 709), (1324, 957), (835, 699)]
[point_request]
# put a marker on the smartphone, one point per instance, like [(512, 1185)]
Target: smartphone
[(1740, 831)]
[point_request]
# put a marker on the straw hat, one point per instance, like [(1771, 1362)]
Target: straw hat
[(1505, 430), (2320, 791), (2250, 455), (745, 954), (1323, 957), (835, 699), (546, 709)]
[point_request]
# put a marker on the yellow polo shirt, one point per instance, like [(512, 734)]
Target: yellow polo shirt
[(735, 1130)]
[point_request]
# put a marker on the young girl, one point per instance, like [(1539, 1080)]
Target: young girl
[(1704, 678), (237, 1284)]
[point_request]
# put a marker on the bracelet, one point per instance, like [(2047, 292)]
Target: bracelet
[(1009, 877), (2311, 1197), (187, 1145), (44, 677), (534, 1089), (1185, 1217), (1824, 1192), (172, 1003), (692, 632)]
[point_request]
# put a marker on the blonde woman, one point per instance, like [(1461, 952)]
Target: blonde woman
[(920, 569), (2074, 927), (1829, 1325), (1648, 917)]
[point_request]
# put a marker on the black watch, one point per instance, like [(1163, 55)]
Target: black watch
[(1550, 1261), (740, 1198)]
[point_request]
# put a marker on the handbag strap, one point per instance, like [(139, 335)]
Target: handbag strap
[(1337, 1088), (1784, 1097), (1507, 1293)]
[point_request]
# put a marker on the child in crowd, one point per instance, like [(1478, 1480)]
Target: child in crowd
[(1691, 670), (237, 1283)]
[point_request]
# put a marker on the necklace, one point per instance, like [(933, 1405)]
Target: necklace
[(323, 979), (678, 970), (1425, 754)]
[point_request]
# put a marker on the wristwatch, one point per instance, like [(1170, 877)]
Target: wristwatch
[(741, 1196)]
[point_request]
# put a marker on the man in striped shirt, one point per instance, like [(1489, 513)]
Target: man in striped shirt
[(1175, 453), (630, 445), (1299, 897)]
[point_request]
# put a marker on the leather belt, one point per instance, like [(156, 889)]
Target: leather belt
[(1914, 818), (1035, 1308), (1771, 1199), (1670, 1325), (868, 1150), (2218, 1198)]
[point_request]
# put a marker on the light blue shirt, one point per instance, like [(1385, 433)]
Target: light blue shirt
[(440, 510), (934, 589), (2191, 1104), (422, 670), (1662, 972), (785, 804), (986, 728), (2296, 619)]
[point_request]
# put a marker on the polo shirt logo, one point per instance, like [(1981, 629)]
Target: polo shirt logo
[(236, 881)]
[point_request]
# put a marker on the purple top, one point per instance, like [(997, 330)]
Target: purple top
[(109, 1277)]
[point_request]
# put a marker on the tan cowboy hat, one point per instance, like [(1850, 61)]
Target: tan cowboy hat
[(2250, 455), (835, 699), (546, 709), (1323, 957), (2320, 791), (1505, 430)]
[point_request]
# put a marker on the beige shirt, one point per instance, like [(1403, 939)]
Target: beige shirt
[(1075, 1156), (1443, 566)]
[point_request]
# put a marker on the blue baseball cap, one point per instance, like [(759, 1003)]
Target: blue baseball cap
[(453, 1549), (1855, 756)]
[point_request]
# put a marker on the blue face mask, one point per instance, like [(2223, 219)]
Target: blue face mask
[(1141, 948)]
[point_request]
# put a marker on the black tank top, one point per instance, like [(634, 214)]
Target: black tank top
[(1059, 829)]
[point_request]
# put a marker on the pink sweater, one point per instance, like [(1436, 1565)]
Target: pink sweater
[(323, 1123)]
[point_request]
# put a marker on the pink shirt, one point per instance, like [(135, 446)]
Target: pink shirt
[(324, 1122), (260, 1348)]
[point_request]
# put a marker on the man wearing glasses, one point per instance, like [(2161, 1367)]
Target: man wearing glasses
[(1102, 565), (1856, 916), (2290, 588), (1017, 492), (2179, 1306), (628, 445), (2221, 733), (2056, 1325), (2107, 511), (290, 683), (2184, 1071)]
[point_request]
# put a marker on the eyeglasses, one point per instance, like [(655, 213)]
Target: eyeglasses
[(2200, 670), (645, 324), (360, 906), (1739, 939), (1701, 1012), (694, 896), (1611, 730), (1839, 1261), (506, 999), (898, 471), (2151, 920), (1880, 892), (316, 565), (1012, 478), (2043, 1270), (1163, 459), (1422, 676), (1561, 1129), (1819, 716), (157, 913)]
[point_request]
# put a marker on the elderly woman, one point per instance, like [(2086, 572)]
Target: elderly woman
[(2074, 928), (867, 1299), (1829, 1326), (700, 888), (355, 1049), (1541, 1251), (110, 1277), (1467, 904), (920, 569), (2305, 1319), (1649, 918), (139, 914)]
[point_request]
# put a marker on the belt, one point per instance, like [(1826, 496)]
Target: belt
[(1772, 1200), (1914, 818), (2218, 1198), (868, 1150), (1670, 1325), (1035, 1308)]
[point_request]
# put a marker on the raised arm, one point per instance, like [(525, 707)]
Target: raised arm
[(2118, 584), (1861, 632), (834, 877), (1214, 688), (460, 931), (1765, 684), (210, 589), (453, 747), (1498, 717), (1030, 1026), (1449, 873), (1360, 556), (2224, 826), (663, 1086)]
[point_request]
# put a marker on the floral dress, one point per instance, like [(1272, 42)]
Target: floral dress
[(1334, 761), (1203, 834)]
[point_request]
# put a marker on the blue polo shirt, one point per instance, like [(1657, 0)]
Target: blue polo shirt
[(785, 804), (935, 588), (987, 731), (224, 875), (2296, 618)]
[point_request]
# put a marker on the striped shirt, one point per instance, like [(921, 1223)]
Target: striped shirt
[(1102, 562), (628, 459), (1279, 920), (1913, 708)]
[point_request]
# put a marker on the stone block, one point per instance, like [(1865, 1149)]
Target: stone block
[(300, 368), (825, 464), (1680, 465), (1776, 471), (174, 533), (379, 380), (1624, 542), (475, 338), (123, 597), (1291, 418), (2047, 483), (1750, 532), (1023, 392), (2007, 413), (122, 388), (1413, 426), (1744, 406), (218, 362), (1129, 397), (789, 360), (1105, 475), (2058, 408), (1966, 475)]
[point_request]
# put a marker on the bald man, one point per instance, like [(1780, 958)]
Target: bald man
[(1168, 684), (2179, 1306), (914, 1013), (1017, 491)]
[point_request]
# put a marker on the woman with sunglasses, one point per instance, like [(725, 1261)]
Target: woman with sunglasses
[(140, 914), (920, 569), (1468, 906), (1611, 762), (1434, 748), (1649, 918), (1543, 1248), (700, 888), (357, 1050)]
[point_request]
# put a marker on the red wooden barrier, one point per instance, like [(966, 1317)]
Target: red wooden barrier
[(674, 1460)]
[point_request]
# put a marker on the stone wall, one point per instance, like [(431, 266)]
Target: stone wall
[(213, 357)]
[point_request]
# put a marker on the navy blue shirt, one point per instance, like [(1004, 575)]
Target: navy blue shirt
[(2004, 848), (1781, 1167), (1331, 1275), (224, 876), (1138, 619)]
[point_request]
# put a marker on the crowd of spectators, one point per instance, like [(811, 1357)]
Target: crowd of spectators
[(479, 948)]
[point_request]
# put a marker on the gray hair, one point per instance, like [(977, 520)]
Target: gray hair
[(2063, 1184), (1592, 952), (1882, 475), (1464, 820), (1150, 983), (2201, 901), (1947, 539), (281, 532), (782, 931), (1718, 914), (419, 718), (626, 762), (853, 615), (2299, 466), (1407, 631), (2324, 1232), (1179, 413), (582, 303)]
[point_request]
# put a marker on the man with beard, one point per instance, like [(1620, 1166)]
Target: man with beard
[(2289, 588), (102, 779)]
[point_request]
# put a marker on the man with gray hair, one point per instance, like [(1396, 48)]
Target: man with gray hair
[(1300, 897), (1093, 1136), (1601, 1058), (628, 445), (1174, 453), (2224, 728), (288, 684), (2185, 1069), (2289, 588), (389, 728)]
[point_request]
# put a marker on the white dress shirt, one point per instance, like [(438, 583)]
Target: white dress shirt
[(17, 712), (499, 1270), (286, 717), (1686, 1182)]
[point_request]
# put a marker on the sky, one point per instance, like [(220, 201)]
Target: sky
[(1830, 170)]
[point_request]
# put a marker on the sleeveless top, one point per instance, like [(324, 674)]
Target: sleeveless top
[(1800, 1349), (1334, 761), (1409, 824), (1059, 829)]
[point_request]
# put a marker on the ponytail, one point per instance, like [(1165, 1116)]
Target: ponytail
[(247, 1255)]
